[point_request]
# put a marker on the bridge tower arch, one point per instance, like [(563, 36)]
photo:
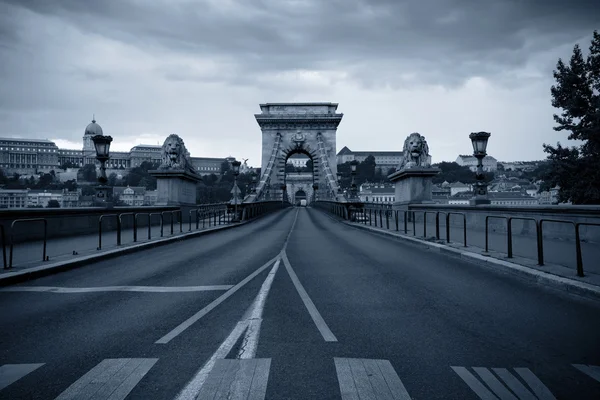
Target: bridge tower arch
[(290, 128)]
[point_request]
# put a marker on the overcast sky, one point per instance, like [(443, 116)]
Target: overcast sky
[(199, 69)]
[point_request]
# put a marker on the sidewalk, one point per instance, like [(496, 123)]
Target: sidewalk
[(64, 249), (551, 274)]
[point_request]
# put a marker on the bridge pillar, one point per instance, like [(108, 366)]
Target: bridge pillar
[(290, 128)]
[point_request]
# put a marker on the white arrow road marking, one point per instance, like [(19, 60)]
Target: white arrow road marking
[(251, 317), (310, 306), (191, 320)]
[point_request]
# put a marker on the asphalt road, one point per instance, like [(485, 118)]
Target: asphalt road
[(332, 310)]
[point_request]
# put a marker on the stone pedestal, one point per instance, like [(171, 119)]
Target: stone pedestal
[(413, 186), (175, 187)]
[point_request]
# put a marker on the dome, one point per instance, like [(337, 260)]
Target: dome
[(93, 129)]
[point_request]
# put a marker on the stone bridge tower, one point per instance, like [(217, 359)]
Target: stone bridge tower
[(290, 128)]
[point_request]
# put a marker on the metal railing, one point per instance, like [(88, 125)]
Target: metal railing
[(12, 231), (3, 246), (120, 224), (374, 217), (100, 229)]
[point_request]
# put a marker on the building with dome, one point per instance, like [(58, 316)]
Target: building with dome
[(34, 156)]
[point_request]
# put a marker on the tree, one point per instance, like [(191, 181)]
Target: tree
[(576, 170), (68, 164), (53, 204), (225, 167), (88, 173), (112, 179)]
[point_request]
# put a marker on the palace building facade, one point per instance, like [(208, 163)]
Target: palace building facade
[(35, 156)]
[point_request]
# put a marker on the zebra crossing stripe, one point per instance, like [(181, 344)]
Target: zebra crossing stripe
[(496, 388), (10, 373), (111, 379), (593, 371), (369, 379), (237, 379)]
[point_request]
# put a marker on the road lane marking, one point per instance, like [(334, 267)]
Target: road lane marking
[(112, 379), (10, 373), (237, 379), (593, 371), (310, 306), (495, 388), (148, 289), (251, 316), (369, 379), (287, 239), (255, 312), (191, 320)]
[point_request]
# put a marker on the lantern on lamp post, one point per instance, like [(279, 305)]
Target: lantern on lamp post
[(480, 193), (353, 168), (102, 146), (254, 178)]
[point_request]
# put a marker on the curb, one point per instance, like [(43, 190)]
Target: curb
[(545, 278), (9, 278)]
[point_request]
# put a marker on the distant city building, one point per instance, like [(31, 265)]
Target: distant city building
[(33, 156), (150, 197), (490, 164), (41, 198), (458, 187), (28, 156), (525, 166), (298, 160), (383, 159), (549, 197), (377, 193), (13, 198), (496, 198), (132, 196)]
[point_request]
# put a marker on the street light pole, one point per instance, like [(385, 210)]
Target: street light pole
[(480, 193), (102, 145), (353, 166), (236, 171)]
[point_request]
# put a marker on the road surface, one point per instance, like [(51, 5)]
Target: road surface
[(294, 306)]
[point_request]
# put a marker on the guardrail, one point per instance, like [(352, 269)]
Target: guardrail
[(217, 214), (373, 216), (3, 246), (12, 226)]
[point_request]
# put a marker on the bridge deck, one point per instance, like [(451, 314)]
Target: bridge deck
[(322, 310)]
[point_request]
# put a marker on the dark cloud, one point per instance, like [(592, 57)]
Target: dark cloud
[(450, 39)]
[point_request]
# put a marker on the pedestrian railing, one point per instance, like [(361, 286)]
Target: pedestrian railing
[(5, 265), (102, 217), (12, 241), (374, 216)]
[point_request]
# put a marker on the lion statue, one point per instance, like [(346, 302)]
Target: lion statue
[(415, 152), (175, 155)]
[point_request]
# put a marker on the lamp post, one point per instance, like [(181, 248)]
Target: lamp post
[(480, 193), (283, 187), (254, 182), (235, 165), (315, 187), (353, 166), (102, 145)]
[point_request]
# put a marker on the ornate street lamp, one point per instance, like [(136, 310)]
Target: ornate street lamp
[(283, 188), (235, 165), (102, 145), (480, 193), (315, 187), (353, 166), (254, 178)]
